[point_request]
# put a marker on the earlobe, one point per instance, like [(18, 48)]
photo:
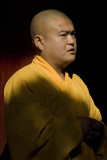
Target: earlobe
[(38, 42)]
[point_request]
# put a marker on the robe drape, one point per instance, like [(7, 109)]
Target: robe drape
[(42, 114)]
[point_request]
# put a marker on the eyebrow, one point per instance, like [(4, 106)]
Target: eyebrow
[(67, 31)]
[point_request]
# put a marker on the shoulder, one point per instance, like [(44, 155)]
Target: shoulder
[(18, 75), (26, 74), (19, 82), (26, 82)]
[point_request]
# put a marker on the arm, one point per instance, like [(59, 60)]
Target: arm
[(28, 122), (34, 132), (92, 132), (95, 131), (95, 113)]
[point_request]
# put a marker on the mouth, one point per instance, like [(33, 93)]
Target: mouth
[(71, 50)]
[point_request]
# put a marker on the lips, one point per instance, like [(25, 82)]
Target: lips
[(71, 50)]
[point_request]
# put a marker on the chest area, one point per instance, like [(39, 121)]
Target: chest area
[(71, 99)]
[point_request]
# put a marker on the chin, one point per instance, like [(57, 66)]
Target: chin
[(69, 62), (72, 59)]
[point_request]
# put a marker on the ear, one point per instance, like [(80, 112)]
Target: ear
[(38, 41)]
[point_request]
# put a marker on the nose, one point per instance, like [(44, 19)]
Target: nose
[(71, 40)]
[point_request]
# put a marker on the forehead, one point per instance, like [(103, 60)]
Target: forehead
[(60, 23)]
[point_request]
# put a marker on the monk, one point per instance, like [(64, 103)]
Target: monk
[(50, 115)]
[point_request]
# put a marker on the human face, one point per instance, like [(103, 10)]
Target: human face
[(60, 42)]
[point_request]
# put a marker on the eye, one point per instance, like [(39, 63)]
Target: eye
[(63, 35), (73, 33)]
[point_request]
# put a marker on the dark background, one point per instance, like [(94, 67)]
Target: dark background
[(16, 50)]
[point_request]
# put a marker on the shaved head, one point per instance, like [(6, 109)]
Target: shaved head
[(42, 19), (53, 37)]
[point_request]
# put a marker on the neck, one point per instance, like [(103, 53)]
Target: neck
[(58, 68), (60, 71)]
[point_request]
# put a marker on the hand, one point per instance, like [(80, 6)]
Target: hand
[(92, 131)]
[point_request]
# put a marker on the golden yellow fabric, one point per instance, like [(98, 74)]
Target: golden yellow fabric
[(42, 113)]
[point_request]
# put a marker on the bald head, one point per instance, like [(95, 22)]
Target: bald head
[(42, 19)]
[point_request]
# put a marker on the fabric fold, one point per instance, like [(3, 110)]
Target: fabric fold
[(42, 113)]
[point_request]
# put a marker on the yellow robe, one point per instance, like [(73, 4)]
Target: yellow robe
[(42, 114)]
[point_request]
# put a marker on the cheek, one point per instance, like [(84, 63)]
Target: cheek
[(60, 44), (56, 45)]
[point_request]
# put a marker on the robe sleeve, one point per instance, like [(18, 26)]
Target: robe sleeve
[(27, 120), (33, 132), (94, 112)]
